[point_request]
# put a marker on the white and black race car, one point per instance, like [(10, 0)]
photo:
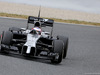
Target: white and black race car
[(35, 42)]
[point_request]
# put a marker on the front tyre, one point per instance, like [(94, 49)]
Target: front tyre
[(65, 41), (58, 49), (6, 39)]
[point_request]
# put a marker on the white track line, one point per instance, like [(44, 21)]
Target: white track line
[(55, 22), (12, 18), (78, 24)]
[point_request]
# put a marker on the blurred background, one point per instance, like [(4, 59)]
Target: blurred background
[(91, 6)]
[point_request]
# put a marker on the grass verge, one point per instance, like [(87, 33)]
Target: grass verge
[(57, 20)]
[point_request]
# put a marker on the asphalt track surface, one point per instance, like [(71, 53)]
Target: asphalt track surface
[(83, 53)]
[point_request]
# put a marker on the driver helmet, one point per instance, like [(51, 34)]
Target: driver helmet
[(37, 28)]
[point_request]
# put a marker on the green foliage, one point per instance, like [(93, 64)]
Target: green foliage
[(57, 20)]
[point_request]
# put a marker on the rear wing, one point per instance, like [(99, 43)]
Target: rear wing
[(44, 22)]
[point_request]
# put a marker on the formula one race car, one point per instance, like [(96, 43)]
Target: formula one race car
[(35, 42)]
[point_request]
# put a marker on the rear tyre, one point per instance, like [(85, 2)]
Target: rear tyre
[(65, 41), (6, 39), (58, 48)]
